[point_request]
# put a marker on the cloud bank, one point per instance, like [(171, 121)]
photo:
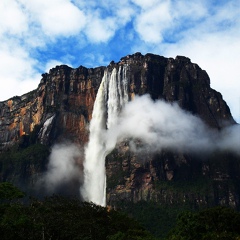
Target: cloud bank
[(163, 126)]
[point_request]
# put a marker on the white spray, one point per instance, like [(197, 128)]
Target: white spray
[(111, 96)]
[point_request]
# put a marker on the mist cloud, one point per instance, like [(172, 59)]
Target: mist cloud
[(64, 169), (160, 125), (229, 139)]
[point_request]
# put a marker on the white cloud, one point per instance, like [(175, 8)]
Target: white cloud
[(100, 30), (55, 17), (151, 23), (12, 18), (17, 71), (190, 10)]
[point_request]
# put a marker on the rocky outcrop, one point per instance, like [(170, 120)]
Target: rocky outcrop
[(60, 110)]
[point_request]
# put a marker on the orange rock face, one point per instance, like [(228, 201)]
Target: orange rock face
[(67, 93)]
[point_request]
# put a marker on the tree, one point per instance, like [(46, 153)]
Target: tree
[(9, 192), (220, 223), (63, 218)]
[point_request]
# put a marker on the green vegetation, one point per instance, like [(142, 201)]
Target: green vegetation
[(160, 217), (58, 217), (18, 160), (219, 223), (30, 154), (182, 222), (157, 218), (63, 218), (20, 165), (9, 192)]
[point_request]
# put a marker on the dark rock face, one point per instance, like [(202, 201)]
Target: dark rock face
[(178, 80), (60, 109)]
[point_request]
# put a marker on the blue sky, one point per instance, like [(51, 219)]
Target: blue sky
[(37, 35)]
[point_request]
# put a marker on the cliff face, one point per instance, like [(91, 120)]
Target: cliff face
[(61, 107)]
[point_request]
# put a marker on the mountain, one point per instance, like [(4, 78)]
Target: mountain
[(59, 112)]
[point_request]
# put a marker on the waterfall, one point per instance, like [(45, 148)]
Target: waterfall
[(94, 166), (111, 97), (113, 103)]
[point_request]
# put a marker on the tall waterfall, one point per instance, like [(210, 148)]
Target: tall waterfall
[(111, 97)]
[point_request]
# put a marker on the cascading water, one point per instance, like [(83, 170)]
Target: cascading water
[(111, 97), (113, 104)]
